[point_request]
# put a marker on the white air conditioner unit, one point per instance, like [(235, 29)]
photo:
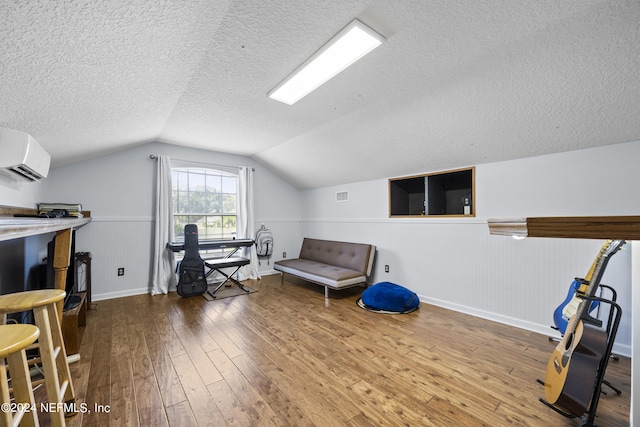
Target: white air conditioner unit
[(21, 155)]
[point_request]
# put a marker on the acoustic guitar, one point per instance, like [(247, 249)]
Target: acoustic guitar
[(571, 372)]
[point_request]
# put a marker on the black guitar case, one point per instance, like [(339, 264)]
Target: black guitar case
[(192, 279)]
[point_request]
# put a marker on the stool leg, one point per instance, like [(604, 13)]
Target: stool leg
[(46, 323), (62, 364), (22, 390), (5, 396)]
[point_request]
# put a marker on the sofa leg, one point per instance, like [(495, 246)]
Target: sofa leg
[(281, 278), (326, 292)]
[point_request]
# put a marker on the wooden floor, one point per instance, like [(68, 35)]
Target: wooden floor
[(284, 356)]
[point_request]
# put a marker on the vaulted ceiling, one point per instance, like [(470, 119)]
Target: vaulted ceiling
[(456, 83)]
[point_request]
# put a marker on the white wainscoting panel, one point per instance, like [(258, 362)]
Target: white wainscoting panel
[(116, 242)]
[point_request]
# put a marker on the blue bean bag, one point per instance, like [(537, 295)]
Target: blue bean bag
[(387, 297)]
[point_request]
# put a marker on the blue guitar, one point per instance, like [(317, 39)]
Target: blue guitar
[(569, 306)]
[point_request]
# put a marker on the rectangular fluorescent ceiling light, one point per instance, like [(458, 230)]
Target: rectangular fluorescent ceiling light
[(349, 45)]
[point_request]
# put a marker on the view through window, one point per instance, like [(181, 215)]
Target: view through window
[(207, 198)]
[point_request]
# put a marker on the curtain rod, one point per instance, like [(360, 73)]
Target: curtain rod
[(154, 157)]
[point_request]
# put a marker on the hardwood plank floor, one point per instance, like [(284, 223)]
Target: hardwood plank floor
[(285, 356)]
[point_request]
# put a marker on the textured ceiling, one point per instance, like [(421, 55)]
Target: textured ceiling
[(456, 83)]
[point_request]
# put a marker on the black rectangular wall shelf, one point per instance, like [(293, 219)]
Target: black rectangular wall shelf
[(448, 193)]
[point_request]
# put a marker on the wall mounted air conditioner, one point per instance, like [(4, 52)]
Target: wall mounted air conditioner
[(21, 155)]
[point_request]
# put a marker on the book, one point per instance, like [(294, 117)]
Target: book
[(74, 209)]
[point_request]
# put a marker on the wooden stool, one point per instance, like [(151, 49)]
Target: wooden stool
[(13, 341), (57, 377)]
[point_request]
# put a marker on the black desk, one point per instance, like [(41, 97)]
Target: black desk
[(217, 264)]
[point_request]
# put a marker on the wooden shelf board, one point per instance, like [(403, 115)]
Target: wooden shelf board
[(14, 228), (575, 227)]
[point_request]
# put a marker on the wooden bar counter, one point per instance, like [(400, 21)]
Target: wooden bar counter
[(572, 227), (12, 227)]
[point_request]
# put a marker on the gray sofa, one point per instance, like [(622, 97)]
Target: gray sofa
[(332, 264)]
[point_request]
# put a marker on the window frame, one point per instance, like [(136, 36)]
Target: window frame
[(211, 214)]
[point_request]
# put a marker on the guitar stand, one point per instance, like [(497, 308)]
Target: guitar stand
[(597, 322), (615, 313)]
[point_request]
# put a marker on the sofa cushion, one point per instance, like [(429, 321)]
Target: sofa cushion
[(351, 256), (322, 273)]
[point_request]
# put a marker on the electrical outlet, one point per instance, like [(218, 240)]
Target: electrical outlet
[(121, 271), (386, 268), (284, 254)]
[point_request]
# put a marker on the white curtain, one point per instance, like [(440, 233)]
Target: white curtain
[(245, 226), (163, 276)]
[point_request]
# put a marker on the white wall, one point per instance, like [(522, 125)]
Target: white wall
[(18, 257), (19, 192), (456, 263), (118, 189)]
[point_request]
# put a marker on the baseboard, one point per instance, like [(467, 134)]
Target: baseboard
[(120, 294), (622, 350), (268, 272)]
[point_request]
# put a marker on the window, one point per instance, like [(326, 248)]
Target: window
[(207, 198), (448, 193)]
